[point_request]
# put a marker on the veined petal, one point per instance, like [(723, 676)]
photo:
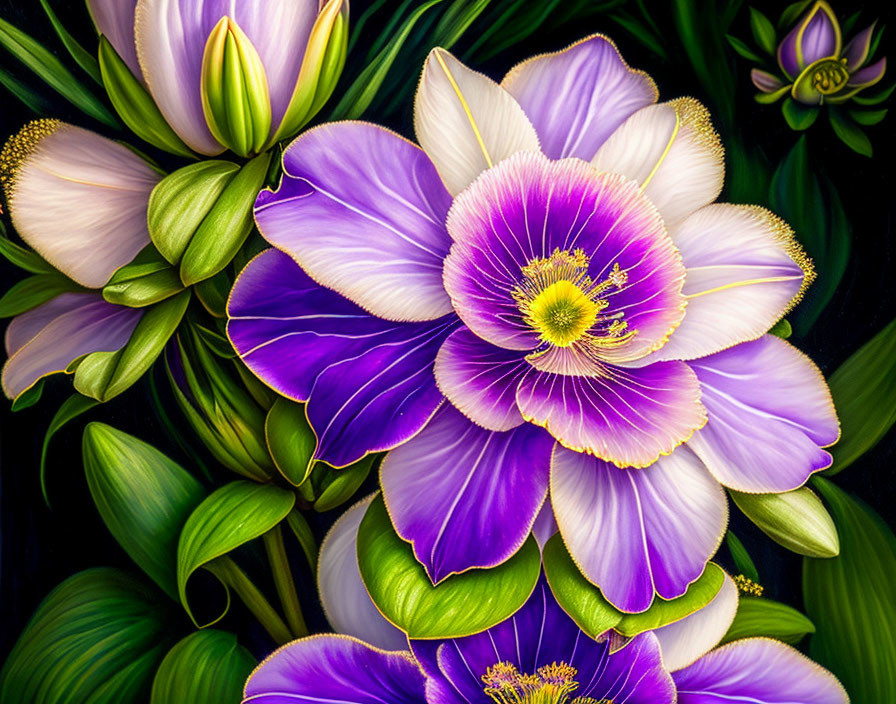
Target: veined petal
[(693, 636), (673, 152), (48, 338), (331, 668), (765, 81), (629, 417), (577, 97), (466, 122), (868, 76), (343, 595), (856, 52), (760, 671), (368, 382), (636, 532), (465, 496), (114, 19), (770, 413), (745, 272), (363, 212), (77, 198), (816, 36)]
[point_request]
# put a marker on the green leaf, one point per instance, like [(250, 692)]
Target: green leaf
[(212, 294), (82, 57), (95, 639), (233, 515), (290, 439), (782, 329), (850, 133), (21, 257), (226, 226), (868, 117), (852, 602), (298, 524), (70, 409), (144, 498), (457, 20), (460, 605), (207, 667), (764, 618), (33, 100), (741, 48), (792, 13), (134, 104), (583, 601), (875, 99), (864, 391), (104, 375), (799, 117), (29, 396), (742, 560), (147, 280), (340, 485), (51, 71), (33, 291), (763, 31)]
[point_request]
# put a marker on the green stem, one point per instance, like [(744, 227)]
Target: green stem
[(286, 587), (231, 575)]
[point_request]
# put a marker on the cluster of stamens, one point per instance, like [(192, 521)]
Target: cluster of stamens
[(20, 147), (830, 76), (748, 586), (550, 684)]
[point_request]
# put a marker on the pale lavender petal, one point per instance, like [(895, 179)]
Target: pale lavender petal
[(481, 379), (765, 81), (527, 208), (856, 52), (78, 199), (331, 669), (48, 338), (114, 19), (628, 416), (759, 671), (363, 211), (346, 603), (869, 75), (368, 382), (577, 97), (545, 524), (465, 496), (634, 532), (770, 413), (171, 38)]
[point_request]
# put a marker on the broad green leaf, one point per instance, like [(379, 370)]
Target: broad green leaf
[(864, 391), (460, 605), (82, 57), (97, 638), (760, 617), (291, 441), (22, 257), (29, 396), (33, 100), (207, 667), (852, 602), (74, 406), (144, 498), (850, 133), (233, 515), (51, 71), (340, 485), (799, 117), (33, 291), (763, 31), (868, 117), (583, 601), (743, 49), (742, 560), (104, 375)]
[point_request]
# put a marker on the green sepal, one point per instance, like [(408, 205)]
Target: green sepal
[(104, 375), (799, 117), (763, 618), (143, 497), (741, 558), (850, 133), (148, 279), (226, 226), (867, 118), (339, 485), (875, 99), (134, 104), (29, 397), (207, 667), (290, 440), (231, 516), (782, 329), (460, 605), (29, 293), (769, 98)]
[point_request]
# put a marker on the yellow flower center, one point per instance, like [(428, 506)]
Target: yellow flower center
[(562, 313), (830, 75), (551, 684)]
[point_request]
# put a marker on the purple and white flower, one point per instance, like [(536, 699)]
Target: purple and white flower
[(553, 263)]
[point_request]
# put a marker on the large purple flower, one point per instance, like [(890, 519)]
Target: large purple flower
[(553, 263)]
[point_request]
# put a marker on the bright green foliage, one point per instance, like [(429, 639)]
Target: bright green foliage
[(760, 617)]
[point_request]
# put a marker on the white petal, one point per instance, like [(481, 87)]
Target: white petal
[(466, 122), (77, 198), (672, 150)]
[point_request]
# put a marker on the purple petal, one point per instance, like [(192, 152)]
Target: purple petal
[(577, 97), (327, 669), (856, 52), (770, 413), (760, 671), (171, 38), (765, 81), (363, 211), (545, 525), (465, 496), (368, 382), (869, 75), (635, 675), (115, 20), (527, 208), (816, 36), (634, 532), (481, 379), (628, 417), (48, 338)]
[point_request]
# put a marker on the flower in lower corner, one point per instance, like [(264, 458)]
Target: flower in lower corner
[(545, 296)]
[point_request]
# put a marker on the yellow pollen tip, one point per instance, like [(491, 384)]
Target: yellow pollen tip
[(748, 586), (19, 147)]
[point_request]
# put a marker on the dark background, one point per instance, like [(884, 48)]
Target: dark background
[(39, 547)]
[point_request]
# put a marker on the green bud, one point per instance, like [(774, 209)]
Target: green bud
[(291, 440), (235, 96), (134, 104), (796, 520), (145, 281)]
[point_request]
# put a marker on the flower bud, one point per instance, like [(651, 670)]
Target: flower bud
[(146, 280), (796, 520)]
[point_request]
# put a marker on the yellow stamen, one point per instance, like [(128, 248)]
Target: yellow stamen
[(748, 586), (20, 147)]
